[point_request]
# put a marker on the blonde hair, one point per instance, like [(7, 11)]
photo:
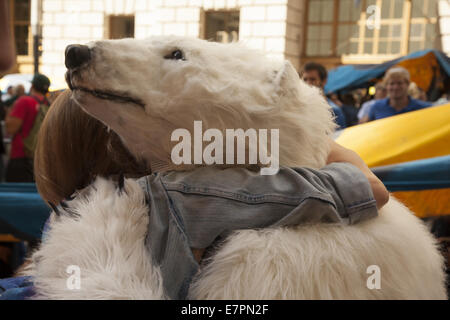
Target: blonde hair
[(397, 72)]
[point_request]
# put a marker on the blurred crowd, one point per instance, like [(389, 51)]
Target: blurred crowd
[(394, 94), (20, 122)]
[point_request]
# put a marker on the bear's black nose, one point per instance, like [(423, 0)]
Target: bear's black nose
[(76, 55)]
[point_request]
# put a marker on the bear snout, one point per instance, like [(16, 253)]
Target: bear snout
[(77, 55)]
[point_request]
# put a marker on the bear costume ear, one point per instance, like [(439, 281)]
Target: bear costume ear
[(286, 79)]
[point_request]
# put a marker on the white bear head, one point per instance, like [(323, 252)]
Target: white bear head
[(145, 89)]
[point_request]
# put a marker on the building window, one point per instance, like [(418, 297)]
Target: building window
[(320, 28), (349, 13), (423, 30), (340, 27), (386, 37), (222, 26), (21, 23), (121, 27)]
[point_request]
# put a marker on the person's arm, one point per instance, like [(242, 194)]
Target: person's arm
[(14, 119), (212, 202), (363, 114), (371, 113), (340, 154), (364, 119), (12, 124), (362, 111)]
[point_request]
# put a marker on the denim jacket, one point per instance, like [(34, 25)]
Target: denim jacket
[(192, 209)]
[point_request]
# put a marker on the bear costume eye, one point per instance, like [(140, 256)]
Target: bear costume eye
[(175, 55)]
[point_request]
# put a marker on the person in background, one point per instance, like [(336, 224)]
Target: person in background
[(17, 92), (415, 92), (316, 75), (444, 99), (18, 124), (349, 109), (347, 103), (397, 82), (9, 94), (380, 93)]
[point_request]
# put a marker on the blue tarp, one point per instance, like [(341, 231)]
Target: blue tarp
[(350, 77), (433, 173), (22, 211)]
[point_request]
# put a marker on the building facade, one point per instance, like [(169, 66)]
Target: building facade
[(332, 32)]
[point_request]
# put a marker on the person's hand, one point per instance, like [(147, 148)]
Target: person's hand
[(340, 154)]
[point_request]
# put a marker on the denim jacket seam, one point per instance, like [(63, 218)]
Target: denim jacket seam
[(360, 202), (172, 212), (356, 216), (361, 205), (254, 199)]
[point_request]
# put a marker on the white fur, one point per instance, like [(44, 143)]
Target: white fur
[(106, 242), (225, 87), (328, 262)]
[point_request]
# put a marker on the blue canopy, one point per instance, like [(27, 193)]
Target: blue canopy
[(22, 211), (432, 173), (350, 77)]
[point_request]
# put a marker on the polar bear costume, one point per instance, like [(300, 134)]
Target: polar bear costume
[(144, 90)]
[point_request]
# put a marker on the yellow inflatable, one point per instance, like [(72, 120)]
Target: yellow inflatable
[(411, 136)]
